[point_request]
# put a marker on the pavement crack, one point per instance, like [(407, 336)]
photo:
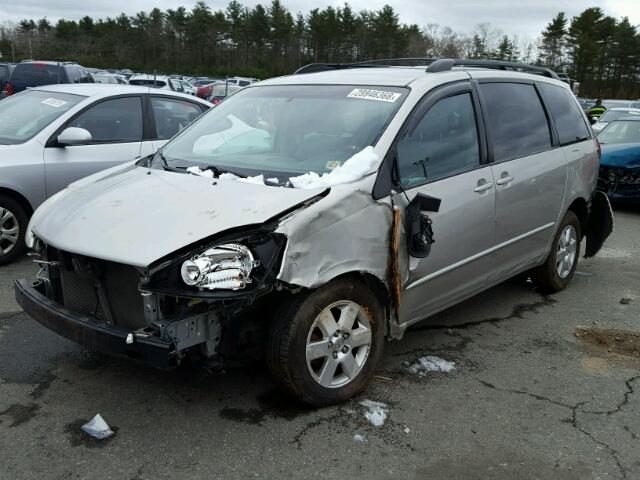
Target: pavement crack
[(524, 392), (518, 311), (625, 400), (575, 410)]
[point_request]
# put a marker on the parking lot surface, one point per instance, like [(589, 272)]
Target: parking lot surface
[(543, 387)]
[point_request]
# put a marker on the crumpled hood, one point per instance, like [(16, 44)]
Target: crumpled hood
[(134, 217), (625, 155)]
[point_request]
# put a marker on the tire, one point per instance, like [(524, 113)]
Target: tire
[(547, 277), (291, 333), (12, 215)]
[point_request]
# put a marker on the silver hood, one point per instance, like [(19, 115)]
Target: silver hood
[(135, 217)]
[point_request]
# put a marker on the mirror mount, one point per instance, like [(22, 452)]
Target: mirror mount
[(74, 136), (418, 224)]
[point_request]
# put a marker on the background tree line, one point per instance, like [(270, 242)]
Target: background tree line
[(603, 53)]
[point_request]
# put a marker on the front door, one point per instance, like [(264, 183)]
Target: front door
[(116, 128), (441, 157)]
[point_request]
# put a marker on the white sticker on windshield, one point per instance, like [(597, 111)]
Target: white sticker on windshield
[(378, 95), (53, 102)]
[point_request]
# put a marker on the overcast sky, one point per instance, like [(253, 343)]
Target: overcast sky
[(525, 18)]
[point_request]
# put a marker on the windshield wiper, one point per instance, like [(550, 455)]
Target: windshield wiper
[(217, 171)]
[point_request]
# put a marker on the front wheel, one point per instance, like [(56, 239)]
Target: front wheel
[(13, 226), (554, 275), (323, 346)]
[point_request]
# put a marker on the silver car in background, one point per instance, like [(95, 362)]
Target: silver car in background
[(307, 218), (53, 135)]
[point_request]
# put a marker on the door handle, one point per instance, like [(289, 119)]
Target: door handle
[(483, 186), (504, 180)]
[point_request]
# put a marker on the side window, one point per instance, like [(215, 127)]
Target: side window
[(172, 115), (118, 120), (566, 114), (444, 143), (516, 120)]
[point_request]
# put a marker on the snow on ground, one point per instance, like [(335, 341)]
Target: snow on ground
[(431, 364), (376, 412), (353, 169)]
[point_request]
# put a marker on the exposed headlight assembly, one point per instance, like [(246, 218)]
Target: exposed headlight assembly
[(225, 267)]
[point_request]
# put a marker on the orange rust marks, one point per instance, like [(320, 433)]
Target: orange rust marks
[(393, 269)]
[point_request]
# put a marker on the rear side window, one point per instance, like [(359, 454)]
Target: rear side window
[(516, 120), (34, 74), (566, 114), (444, 143), (173, 115), (115, 121), (4, 73)]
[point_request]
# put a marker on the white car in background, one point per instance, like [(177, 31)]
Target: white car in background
[(614, 114), (162, 82), (53, 135), (186, 87)]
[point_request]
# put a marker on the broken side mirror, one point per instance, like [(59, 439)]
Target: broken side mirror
[(418, 225)]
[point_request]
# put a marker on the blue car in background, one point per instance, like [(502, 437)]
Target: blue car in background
[(620, 161)]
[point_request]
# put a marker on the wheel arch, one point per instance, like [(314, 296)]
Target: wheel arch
[(18, 197), (580, 208)]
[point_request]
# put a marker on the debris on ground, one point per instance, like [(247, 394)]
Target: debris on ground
[(430, 363), (625, 301), (97, 428), (357, 438), (622, 342), (376, 412), (407, 430)]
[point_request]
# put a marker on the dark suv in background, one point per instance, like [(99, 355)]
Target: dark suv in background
[(37, 73)]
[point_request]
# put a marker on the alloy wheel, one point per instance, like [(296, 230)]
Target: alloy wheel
[(338, 344), (9, 231), (567, 251)]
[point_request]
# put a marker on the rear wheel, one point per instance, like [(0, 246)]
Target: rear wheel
[(13, 225), (323, 346), (554, 275)]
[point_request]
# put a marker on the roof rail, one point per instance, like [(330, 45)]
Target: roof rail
[(385, 62), (446, 64)]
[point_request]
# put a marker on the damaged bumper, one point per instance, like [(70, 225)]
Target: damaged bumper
[(620, 183), (90, 332)]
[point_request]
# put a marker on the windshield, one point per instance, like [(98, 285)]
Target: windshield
[(621, 131), (611, 115), (287, 129), (24, 115)]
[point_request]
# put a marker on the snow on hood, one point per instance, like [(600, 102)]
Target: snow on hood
[(135, 217), (353, 169)]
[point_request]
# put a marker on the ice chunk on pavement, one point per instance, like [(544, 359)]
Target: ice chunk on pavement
[(201, 173), (358, 438), (97, 428), (353, 169), (431, 364), (376, 412)]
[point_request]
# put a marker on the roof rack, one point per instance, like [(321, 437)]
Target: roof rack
[(446, 64), (433, 65), (386, 62)]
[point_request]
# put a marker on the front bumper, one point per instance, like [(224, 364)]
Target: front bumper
[(92, 333)]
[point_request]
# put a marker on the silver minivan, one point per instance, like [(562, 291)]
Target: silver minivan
[(308, 218)]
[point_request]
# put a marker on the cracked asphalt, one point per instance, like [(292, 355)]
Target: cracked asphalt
[(530, 397)]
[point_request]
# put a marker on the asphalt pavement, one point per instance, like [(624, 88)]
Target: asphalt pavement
[(544, 387)]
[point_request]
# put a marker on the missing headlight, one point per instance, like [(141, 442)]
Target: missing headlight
[(225, 267)]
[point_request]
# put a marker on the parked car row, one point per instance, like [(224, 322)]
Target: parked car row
[(27, 74)]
